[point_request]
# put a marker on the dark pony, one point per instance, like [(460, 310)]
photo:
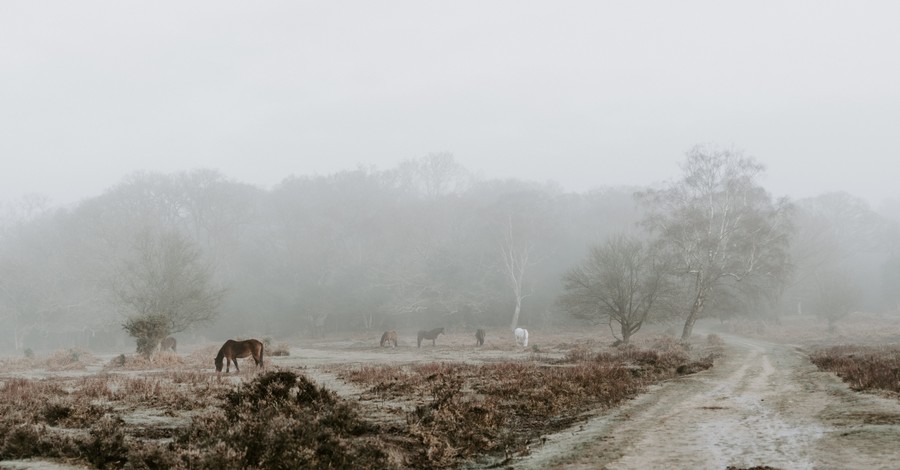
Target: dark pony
[(389, 337), (431, 334), (168, 343), (233, 350), (479, 337)]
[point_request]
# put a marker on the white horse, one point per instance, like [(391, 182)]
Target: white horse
[(521, 337)]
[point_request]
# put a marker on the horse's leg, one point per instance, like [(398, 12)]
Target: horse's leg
[(236, 368)]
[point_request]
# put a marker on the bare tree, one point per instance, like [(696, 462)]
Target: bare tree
[(719, 224), (167, 287), (622, 281), (515, 258)]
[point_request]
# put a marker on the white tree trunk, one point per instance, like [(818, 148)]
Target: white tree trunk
[(515, 264), (515, 319)]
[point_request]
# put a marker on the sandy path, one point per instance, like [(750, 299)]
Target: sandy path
[(764, 404)]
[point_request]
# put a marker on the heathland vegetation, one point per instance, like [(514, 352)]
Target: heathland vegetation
[(175, 414)]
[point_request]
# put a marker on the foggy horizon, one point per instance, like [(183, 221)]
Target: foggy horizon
[(74, 195), (584, 95)]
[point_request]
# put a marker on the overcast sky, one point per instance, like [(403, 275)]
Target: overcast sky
[(583, 93)]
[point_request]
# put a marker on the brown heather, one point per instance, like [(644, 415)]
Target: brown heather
[(863, 368), (471, 411), (454, 413)]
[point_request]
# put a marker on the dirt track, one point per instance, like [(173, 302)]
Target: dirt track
[(763, 404)]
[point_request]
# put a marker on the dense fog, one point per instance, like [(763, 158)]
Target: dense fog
[(525, 167), (420, 245)]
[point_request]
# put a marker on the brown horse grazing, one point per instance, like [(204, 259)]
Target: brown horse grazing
[(389, 337), (168, 343), (431, 334), (479, 337), (233, 350)]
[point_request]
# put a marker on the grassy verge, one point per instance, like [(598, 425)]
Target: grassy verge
[(863, 368)]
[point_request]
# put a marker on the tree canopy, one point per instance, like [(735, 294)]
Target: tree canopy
[(718, 224), (621, 281), (166, 287)]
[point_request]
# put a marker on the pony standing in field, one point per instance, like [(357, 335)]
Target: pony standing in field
[(521, 337), (389, 337), (168, 343), (233, 350), (479, 337), (431, 334)]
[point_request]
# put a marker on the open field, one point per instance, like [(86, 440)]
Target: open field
[(329, 402), (569, 400), (811, 331)]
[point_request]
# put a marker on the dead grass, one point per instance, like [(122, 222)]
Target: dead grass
[(63, 360), (470, 412), (171, 413), (280, 350), (276, 420), (862, 367)]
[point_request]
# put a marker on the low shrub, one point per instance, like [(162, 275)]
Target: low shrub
[(281, 350), (70, 359), (863, 368), (27, 440), (282, 420), (277, 420), (469, 410)]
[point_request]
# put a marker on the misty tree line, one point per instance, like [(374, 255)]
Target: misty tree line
[(427, 244)]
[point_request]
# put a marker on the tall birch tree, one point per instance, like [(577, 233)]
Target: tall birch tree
[(719, 224)]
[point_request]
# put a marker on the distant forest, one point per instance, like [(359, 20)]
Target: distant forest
[(421, 245)]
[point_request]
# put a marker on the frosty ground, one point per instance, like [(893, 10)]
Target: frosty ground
[(762, 404)]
